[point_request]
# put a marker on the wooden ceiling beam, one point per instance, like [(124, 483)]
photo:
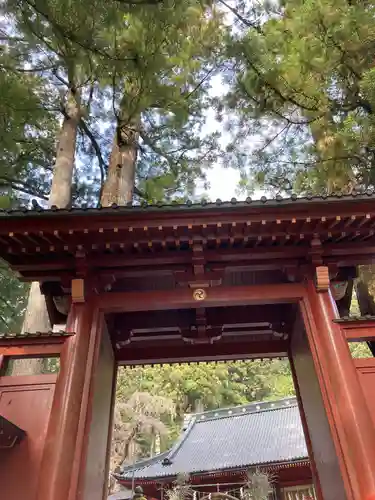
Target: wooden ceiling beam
[(218, 351), (182, 298), (271, 314)]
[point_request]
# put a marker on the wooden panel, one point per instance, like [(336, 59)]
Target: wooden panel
[(31, 350), (321, 440), (366, 372), (27, 403), (95, 473)]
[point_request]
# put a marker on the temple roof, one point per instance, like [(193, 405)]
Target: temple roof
[(48, 245), (263, 201), (233, 438)]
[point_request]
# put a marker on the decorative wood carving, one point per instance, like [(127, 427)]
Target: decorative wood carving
[(78, 290), (199, 294), (322, 281)]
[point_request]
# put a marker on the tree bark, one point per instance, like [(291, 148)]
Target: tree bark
[(119, 186), (61, 189), (36, 315)]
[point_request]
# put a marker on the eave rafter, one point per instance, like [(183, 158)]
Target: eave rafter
[(197, 245)]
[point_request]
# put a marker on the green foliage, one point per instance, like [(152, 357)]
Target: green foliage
[(206, 386), (115, 60), (27, 136), (13, 296), (305, 86), (360, 350), (176, 47)]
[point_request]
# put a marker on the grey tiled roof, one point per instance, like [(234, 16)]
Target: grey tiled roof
[(23, 335), (354, 319), (235, 438)]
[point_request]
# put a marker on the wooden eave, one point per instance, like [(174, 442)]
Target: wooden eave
[(262, 235)]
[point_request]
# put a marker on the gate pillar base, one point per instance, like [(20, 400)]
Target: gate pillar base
[(64, 442)]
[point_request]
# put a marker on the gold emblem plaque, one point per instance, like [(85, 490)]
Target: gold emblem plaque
[(199, 294)]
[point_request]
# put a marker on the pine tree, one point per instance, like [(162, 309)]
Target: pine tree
[(161, 101), (304, 85)]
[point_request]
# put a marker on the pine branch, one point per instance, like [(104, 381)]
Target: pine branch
[(95, 145), (68, 34), (244, 21), (3, 320), (39, 69), (21, 187), (275, 89), (140, 2)]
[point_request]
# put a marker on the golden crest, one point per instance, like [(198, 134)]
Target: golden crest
[(199, 294)]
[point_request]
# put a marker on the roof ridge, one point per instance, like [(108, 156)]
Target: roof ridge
[(180, 441), (293, 197), (255, 406), (143, 463)]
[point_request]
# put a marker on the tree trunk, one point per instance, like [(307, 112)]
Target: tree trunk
[(61, 189), (119, 185), (36, 316)]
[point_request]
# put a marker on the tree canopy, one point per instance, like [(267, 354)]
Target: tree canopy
[(302, 80)]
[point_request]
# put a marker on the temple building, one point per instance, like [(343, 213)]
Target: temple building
[(218, 448)]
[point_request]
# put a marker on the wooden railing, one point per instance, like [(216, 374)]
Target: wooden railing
[(362, 330)]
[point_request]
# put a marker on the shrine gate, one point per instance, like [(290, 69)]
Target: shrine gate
[(185, 283)]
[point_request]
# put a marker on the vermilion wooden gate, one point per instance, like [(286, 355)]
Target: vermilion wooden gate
[(175, 284)]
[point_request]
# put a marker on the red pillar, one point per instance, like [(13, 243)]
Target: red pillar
[(354, 427), (62, 436), (315, 475)]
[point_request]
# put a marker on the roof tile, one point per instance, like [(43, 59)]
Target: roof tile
[(23, 335), (189, 204), (262, 434)]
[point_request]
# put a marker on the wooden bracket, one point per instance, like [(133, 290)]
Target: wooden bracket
[(316, 252), (199, 277), (81, 264), (201, 332), (198, 260), (322, 281), (78, 290)]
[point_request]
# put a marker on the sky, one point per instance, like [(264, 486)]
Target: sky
[(223, 183), (223, 180)]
